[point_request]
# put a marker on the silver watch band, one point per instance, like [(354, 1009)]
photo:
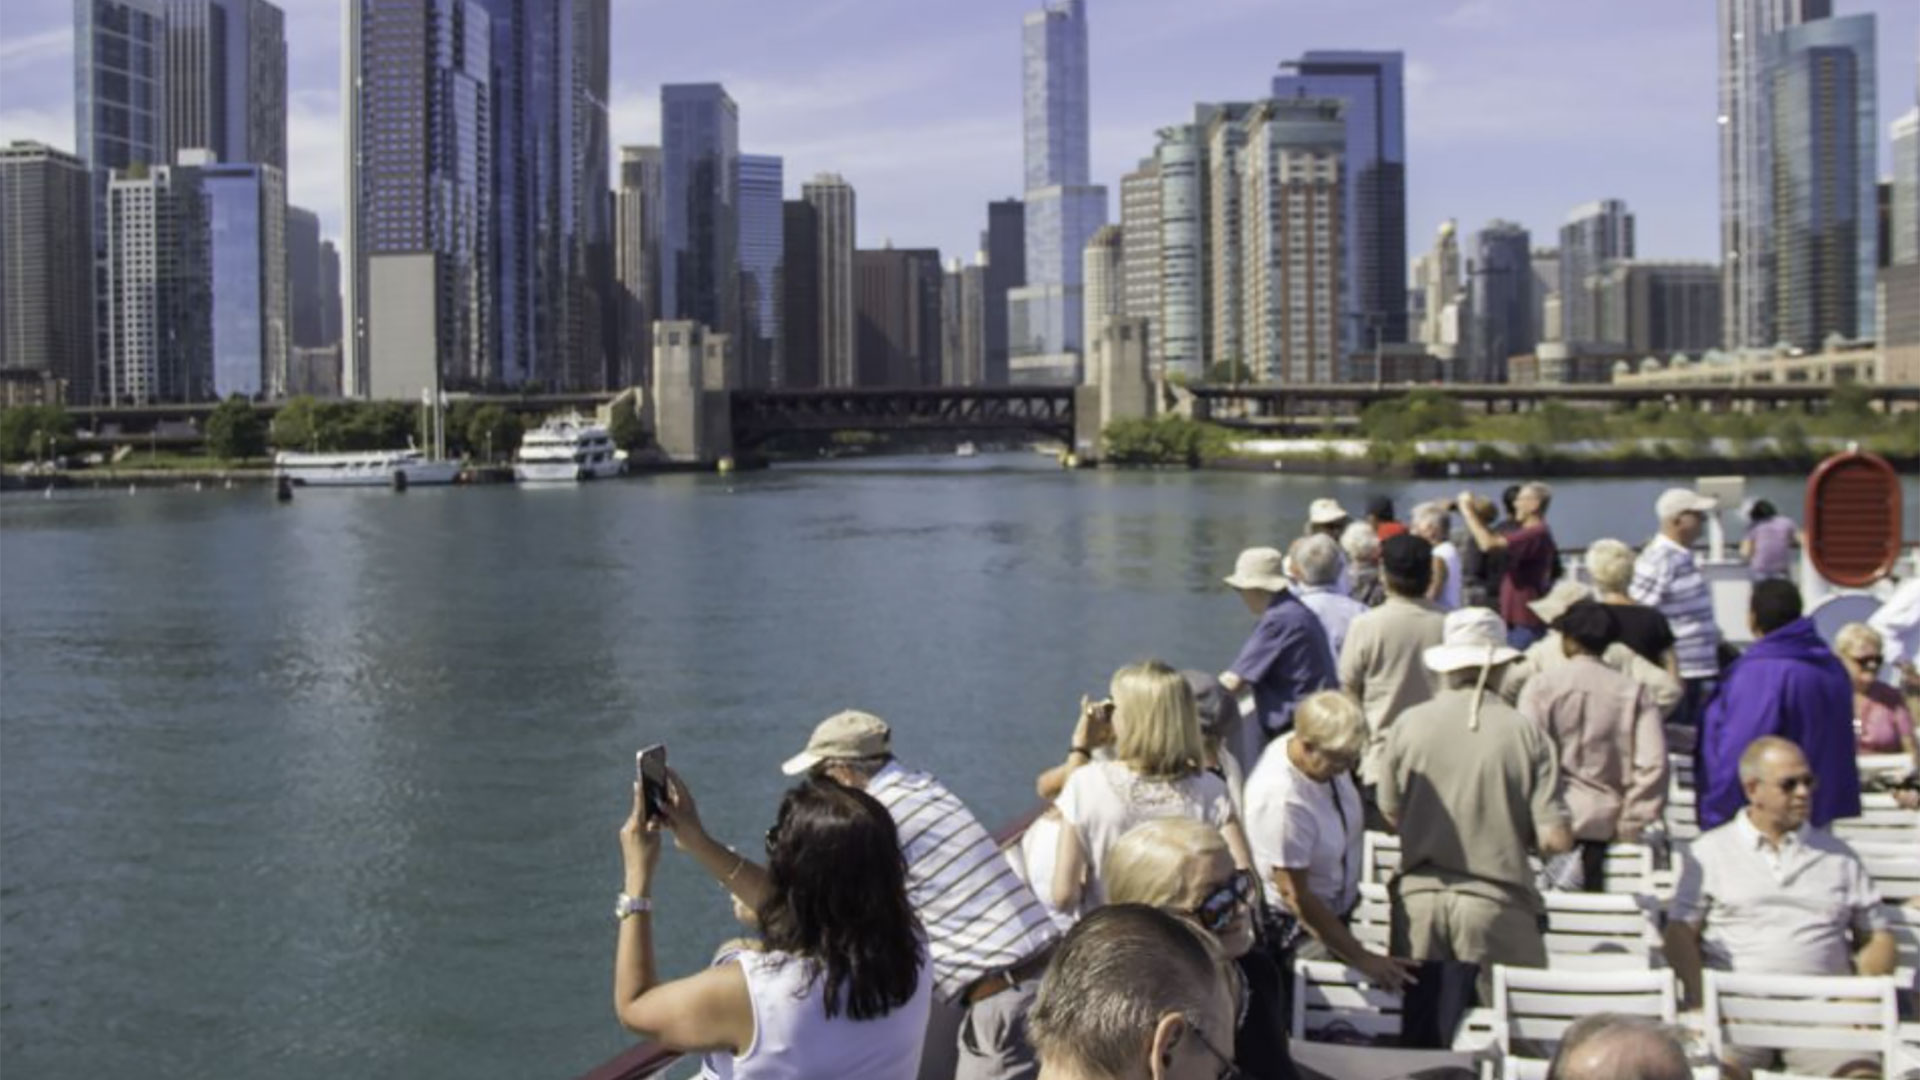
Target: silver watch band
[(625, 905)]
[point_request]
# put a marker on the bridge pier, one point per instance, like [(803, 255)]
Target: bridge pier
[(1118, 386), (692, 385)]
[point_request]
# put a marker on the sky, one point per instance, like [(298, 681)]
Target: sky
[(1515, 109)]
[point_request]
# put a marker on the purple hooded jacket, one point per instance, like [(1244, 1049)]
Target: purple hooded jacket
[(1791, 685)]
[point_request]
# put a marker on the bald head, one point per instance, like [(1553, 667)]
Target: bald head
[(1609, 1046), (1770, 754)]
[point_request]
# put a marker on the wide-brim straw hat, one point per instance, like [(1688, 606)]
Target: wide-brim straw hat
[(1259, 568), (1470, 638)]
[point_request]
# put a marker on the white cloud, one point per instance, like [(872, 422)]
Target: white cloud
[(50, 44), (1472, 13), (316, 157), (52, 125)]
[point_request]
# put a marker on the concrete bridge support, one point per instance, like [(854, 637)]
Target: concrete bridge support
[(1117, 387), (692, 378)]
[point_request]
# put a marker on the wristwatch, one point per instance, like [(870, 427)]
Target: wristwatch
[(625, 905)]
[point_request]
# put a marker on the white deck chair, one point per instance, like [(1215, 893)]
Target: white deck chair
[(1330, 998), (1600, 932), (1801, 1012), (1894, 867), (1629, 868), (1372, 919), (1881, 819), (1382, 857), (1904, 923), (1533, 1008), (1889, 766)]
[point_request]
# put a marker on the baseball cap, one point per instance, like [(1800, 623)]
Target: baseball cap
[(1676, 501), (844, 736)]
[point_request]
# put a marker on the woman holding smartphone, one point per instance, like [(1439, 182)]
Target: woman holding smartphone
[(843, 986)]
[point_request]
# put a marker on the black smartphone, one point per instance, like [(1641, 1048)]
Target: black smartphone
[(650, 768)]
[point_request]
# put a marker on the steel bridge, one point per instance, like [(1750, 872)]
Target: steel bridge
[(1040, 411), (1266, 405)]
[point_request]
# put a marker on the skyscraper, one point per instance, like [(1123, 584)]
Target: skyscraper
[(1140, 210), (1501, 324), (226, 80), (1825, 138), (1652, 308), (159, 333), (420, 192), (1595, 234), (1103, 272), (1906, 189), (799, 295), (637, 258), (305, 304), (1440, 330), (251, 335), (700, 244), (963, 342), (897, 314), (1375, 243), (761, 185), (1746, 160), (46, 266), (1226, 135), (1549, 305), (1006, 247), (1181, 155), (330, 300), (1293, 205), (1062, 208), (832, 199)]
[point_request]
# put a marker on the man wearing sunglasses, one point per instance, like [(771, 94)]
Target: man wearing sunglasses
[(1766, 893)]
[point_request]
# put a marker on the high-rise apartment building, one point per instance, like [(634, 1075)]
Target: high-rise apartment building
[(226, 80), (46, 267), (1549, 305), (1825, 140), (420, 191), (1440, 328), (252, 333), (963, 337), (1226, 130), (761, 250), (799, 295), (1181, 155), (1747, 160), (1293, 232), (159, 333), (832, 199), (1594, 235), (1140, 211), (1375, 244), (331, 316), (306, 302), (1103, 272), (1501, 322), (1062, 207), (897, 293), (1905, 131), (1006, 247), (636, 259), (1656, 308), (700, 246)]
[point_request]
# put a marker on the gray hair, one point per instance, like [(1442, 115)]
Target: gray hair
[(1360, 542), (1758, 749), (1614, 1046), (1430, 517), (1610, 565), (1112, 978), (1332, 721), (1317, 558)]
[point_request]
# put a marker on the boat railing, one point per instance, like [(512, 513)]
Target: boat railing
[(650, 1059)]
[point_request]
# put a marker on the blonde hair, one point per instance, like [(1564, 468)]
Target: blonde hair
[(1332, 721), (1144, 866), (1853, 634), (1610, 565), (1156, 726)]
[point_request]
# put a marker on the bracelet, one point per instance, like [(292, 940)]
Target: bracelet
[(739, 861), (1081, 750)]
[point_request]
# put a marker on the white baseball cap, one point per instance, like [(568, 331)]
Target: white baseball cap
[(1676, 501)]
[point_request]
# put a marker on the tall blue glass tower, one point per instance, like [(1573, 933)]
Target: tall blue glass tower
[(700, 241), (1063, 210), (762, 243), (1376, 198)]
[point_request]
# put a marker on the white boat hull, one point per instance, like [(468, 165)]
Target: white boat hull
[(420, 473), (564, 472)]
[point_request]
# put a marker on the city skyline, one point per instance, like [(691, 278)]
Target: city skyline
[(823, 89)]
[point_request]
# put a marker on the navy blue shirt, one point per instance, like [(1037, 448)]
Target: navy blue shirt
[(1287, 658)]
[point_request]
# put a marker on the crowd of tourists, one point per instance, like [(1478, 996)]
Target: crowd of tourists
[(1505, 714)]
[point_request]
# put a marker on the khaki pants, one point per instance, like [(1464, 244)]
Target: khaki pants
[(1446, 925)]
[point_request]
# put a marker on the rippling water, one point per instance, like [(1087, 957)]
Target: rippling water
[(330, 789)]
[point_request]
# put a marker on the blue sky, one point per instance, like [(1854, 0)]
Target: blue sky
[(1515, 108)]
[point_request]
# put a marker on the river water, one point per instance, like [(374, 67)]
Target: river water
[(330, 789)]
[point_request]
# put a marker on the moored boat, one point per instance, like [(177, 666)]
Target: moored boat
[(363, 468), (565, 450)]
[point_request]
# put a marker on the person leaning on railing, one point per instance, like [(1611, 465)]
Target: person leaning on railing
[(843, 986)]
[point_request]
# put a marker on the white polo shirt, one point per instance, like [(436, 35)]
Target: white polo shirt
[(1295, 822), (1785, 910)]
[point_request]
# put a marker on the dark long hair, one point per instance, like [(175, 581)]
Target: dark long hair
[(839, 897)]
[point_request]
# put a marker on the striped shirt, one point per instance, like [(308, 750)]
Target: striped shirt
[(1665, 577), (979, 916)]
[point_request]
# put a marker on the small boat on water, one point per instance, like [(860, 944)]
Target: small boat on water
[(965, 449), (566, 450), (364, 468)]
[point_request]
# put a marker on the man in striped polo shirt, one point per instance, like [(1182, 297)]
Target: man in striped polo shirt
[(1665, 577), (988, 934)]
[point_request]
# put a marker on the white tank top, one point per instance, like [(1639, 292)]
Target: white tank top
[(794, 1040)]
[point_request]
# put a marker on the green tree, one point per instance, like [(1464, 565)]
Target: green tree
[(494, 431), (1166, 440), (625, 428), (30, 432), (235, 431), (1229, 371), (297, 425)]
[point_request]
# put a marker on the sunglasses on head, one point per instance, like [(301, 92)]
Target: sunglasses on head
[(1217, 910)]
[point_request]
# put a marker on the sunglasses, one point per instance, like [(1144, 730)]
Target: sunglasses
[(1218, 909), (1795, 783), (1872, 662), (1228, 1071)]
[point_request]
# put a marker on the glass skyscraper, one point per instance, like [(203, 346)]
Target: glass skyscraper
[(1746, 161), (1594, 235), (1062, 209), (761, 249), (1825, 212), (246, 212), (420, 175), (227, 80), (1375, 243), (1501, 325), (700, 241)]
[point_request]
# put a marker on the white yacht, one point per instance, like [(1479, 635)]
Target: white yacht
[(566, 449), (363, 468)]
